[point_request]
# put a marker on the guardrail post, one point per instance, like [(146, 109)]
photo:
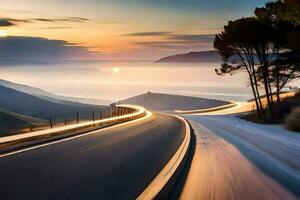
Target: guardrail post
[(93, 116), (50, 120), (31, 127), (65, 122), (77, 118)]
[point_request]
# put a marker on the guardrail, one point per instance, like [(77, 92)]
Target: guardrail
[(204, 110), (71, 130)]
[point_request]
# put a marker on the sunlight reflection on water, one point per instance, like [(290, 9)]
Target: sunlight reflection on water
[(99, 80)]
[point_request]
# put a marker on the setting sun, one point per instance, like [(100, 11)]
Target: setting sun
[(3, 33), (116, 70), (150, 99)]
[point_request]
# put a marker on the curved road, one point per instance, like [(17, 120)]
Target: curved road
[(235, 159), (113, 163)]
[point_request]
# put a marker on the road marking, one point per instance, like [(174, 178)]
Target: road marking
[(148, 114), (169, 169)]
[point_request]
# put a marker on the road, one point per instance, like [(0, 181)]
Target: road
[(235, 159), (113, 163)]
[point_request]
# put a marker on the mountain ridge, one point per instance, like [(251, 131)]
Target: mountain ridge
[(32, 106), (53, 97), (192, 57)]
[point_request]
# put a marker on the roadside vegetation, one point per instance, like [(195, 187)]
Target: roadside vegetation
[(293, 120), (267, 47), (283, 107)]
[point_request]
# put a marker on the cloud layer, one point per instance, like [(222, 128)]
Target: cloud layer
[(155, 33), (170, 40), (40, 49), (15, 21), (4, 22)]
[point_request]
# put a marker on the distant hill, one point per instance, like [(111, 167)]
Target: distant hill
[(11, 123), (192, 57), (164, 102), (52, 97), (36, 107)]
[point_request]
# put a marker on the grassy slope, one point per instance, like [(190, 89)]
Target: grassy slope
[(50, 96), (283, 108), (11, 123), (160, 102), (29, 105)]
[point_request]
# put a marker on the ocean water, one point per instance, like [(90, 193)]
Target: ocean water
[(119, 80)]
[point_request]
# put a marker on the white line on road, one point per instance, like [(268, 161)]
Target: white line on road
[(149, 114)]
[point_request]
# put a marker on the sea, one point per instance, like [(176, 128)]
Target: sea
[(117, 80)]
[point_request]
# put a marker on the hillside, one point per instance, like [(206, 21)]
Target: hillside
[(163, 102), (50, 96), (11, 123), (192, 57), (29, 105)]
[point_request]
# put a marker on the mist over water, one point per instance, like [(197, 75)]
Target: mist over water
[(119, 80)]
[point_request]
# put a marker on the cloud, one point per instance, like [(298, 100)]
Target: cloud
[(180, 42), (14, 21), (173, 45), (18, 48), (142, 34), (56, 27), (4, 22), (68, 19), (77, 19), (170, 37), (196, 38)]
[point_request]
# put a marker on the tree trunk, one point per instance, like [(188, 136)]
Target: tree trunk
[(258, 109), (278, 96), (257, 92), (268, 96)]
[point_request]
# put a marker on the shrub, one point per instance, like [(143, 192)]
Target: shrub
[(292, 121)]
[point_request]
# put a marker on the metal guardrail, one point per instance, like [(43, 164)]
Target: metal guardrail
[(118, 117), (204, 110)]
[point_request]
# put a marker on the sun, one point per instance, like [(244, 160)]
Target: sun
[(3, 33), (116, 70)]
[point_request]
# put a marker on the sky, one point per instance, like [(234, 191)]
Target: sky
[(114, 29)]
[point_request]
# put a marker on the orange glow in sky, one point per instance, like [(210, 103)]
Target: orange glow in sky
[(126, 29)]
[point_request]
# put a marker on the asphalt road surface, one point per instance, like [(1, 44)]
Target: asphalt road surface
[(117, 163), (235, 160)]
